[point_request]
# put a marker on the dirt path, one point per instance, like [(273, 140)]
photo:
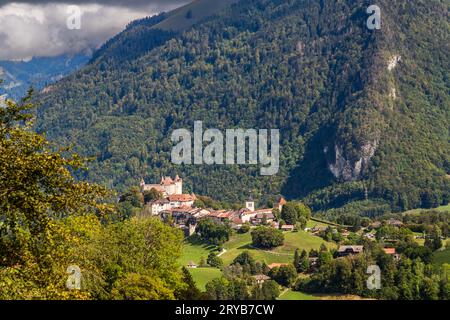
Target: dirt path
[(223, 251)]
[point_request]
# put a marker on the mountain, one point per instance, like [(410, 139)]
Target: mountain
[(192, 13), (38, 72), (364, 115)]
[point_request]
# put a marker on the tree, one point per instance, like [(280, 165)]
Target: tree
[(246, 261), (152, 195), (430, 288), (269, 290), (141, 287), (36, 189), (227, 289), (245, 258), (284, 275), (325, 258), (218, 289), (301, 223), (245, 228), (267, 237), (203, 263), (433, 239), (301, 262), (133, 196), (297, 260), (293, 212), (276, 213), (214, 261), (214, 232), (289, 213), (190, 290), (141, 246)]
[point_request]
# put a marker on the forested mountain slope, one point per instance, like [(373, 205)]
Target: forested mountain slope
[(19, 76), (362, 113)]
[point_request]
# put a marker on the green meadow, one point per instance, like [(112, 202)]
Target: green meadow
[(295, 295), (284, 254), (202, 276), (194, 250)]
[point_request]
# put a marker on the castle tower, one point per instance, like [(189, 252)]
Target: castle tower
[(178, 185)]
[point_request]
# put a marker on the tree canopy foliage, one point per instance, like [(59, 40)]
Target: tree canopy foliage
[(49, 221)]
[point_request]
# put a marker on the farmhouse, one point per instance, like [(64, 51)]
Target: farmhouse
[(392, 252), (344, 251), (317, 229), (287, 227), (262, 216), (261, 278), (276, 265)]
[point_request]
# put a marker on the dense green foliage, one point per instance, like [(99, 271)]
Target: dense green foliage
[(50, 222), (214, 261), (214, 232), (284, 275), (406, 279), (267, 237), (295, 212)]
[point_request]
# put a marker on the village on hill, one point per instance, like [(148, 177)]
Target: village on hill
[(280, 246), (181, 207)]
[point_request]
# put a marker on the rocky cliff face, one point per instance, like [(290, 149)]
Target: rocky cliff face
[(347, 169)]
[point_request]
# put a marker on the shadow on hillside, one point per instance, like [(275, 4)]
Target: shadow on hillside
[(247, 246), (196, 241), (312, 171)]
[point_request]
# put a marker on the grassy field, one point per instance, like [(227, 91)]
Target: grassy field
[(444, 208), (298, 296), (295, 295), (202, 276), (441, 257), (284, 254), (441, 209), (194, 250), (312, 224)]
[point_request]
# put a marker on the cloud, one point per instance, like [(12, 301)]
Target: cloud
[(28, 30), (114, 3)]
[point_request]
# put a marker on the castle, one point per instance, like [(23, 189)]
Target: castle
[(167, 186)]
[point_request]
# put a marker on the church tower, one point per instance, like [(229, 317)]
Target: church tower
[(250, 204)]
